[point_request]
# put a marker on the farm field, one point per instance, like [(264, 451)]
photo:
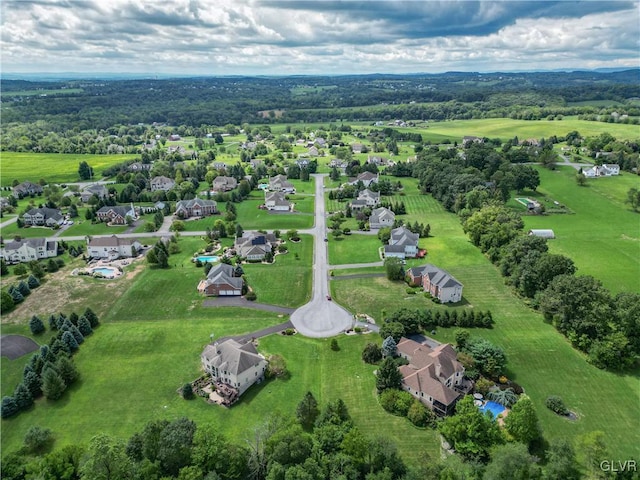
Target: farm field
[(602, 222), (53, 167)]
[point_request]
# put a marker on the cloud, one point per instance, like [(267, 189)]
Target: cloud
[(314, 37)]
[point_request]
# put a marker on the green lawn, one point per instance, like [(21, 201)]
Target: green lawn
[(539, 358), (287, 282), (603, 236), (53, 167), (354, 249)]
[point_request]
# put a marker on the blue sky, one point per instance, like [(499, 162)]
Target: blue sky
[(290, 37)]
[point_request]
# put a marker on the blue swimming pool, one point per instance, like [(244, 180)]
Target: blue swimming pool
[(207, 258), (106, 271), (493, 407)]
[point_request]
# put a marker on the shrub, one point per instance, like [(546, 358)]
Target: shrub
[(410, 291), (289, 331), (371, 353), (9, 407), (396, 402), (251, 296), (334, 345), (358, 329), (483, 385), (556, 405), (35, 325), (187, 391), (420, 415), (37, 439)]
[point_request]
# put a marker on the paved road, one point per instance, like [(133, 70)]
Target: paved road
[(357, 275), (356, 265), (320, 317), (247, 337)]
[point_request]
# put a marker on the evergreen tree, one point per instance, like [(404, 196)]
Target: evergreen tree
[(6, 302), (76, 334), (67, 369), (92, 317), (4, 269), (33, 282), (53, 322), (9, 407), (16, 296), (35, 325), (23, 397), (69, 340), (388, 376), (371, 353), (307, 411), (389, 347), (32, 381), (73, 318), (52, 266), (53, 385), (84, 326)]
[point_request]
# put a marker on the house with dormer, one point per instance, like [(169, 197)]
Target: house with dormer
[(438, 282), (28, 249), (366, 199), (196, 207), (433, 375), (279, 183), (27, 188), (254, 246), (380, 218), (116, 215), (234, 365), (367, 178), (221, 281), (43, 217), (403, 243), (161, 183), (224, 184), (276, 201)]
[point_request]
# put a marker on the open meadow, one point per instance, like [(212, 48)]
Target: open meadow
[(602, 236), (53, 167)]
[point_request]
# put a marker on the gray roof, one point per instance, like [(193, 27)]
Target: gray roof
[(440, 277), (380, 214), (223, 274), (403, 236), (544, 233), (232, 357), (277, 198), (112, 241), (119, 209), (200, 202), (48, 245), (46, 212), (394, 248)]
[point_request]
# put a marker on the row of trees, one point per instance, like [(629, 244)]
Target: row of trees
[(51, 369)]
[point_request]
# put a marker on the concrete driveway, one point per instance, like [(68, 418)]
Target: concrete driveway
[(320, 317)]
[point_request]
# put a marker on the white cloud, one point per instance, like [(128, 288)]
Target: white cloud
[(252, 37)]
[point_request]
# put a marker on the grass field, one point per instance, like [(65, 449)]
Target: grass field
[(602, 223), (539, 358), (53, 167), (354, 249)]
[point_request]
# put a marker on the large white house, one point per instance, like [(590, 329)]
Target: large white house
[(236, 365), (29, 249), (113, 247), (606, 170), (276, 201)]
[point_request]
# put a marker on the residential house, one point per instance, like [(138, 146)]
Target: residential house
[(233, 364), (27, 188), (224, 184), (320, 142), (221, 281), (402, 244), (367, 178), (302, 162), (380, 218), (376, 160), (544, 233), (276, 201), (196, 207), (117, 215), (29, 249), (255, 245), (313, 151), (433, 375), (441, 284), (279, 183), (339, 164), (366, 198), (219, 165), (96, 189), (161, 183), (357, 148), (174, 137), (606, 170), (113, 247), (46, 217), (139, 167), (469, 140)]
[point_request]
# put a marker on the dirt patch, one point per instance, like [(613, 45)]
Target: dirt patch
[(62, 292), (15, 346)]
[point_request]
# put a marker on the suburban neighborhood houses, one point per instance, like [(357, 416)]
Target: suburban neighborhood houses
[(403, 243), (118, 215), (437, 282), (255, 246), (222, 280), (28, 249), (196, 207), (113, 247)]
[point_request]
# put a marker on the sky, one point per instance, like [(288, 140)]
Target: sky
[(310, 37)]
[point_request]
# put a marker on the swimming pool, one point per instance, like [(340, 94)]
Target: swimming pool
[(207, 258), (493, 407), (105, 271)]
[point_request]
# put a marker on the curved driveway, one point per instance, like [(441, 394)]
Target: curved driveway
[(320, 317)]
